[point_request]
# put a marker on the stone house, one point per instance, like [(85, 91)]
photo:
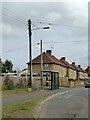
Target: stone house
[(81, 74), (71, 71), (50, 63), (88, 71), (68, 73)]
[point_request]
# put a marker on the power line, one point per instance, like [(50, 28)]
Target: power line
[(51, 24), (14, 23), (35, 34), (66, 42), (13, 17), (15, 49), (14, 14), (54, 24), (35, 26), (13, 20)]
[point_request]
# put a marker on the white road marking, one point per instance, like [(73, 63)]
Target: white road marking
[(43, 103)]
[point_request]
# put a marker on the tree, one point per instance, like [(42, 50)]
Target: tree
[(8, 83), (7, 66)]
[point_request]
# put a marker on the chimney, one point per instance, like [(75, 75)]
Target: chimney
[(73, 63), (79, 66), (88, 67), (49, 52), (63, 58)]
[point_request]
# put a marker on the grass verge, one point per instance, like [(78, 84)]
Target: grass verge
[(26, 109), (15, 91)]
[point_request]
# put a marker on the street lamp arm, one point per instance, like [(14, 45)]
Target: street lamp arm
[(41, 28), (46, 28)]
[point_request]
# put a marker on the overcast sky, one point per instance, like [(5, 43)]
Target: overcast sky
[(68, 34)]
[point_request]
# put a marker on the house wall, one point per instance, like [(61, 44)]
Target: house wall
[(72, 74), (71, 83), (37, 68), (48, 67), (52, 67), (85, 75), (62, 70), (81, 75), (63, 81)]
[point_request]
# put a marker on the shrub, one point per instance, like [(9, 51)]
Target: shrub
[(81, 79), (66, 75), (8, 83)]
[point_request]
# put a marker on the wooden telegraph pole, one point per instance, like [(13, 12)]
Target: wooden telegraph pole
[(30, 53)]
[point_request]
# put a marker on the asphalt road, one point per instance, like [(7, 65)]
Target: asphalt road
[(31, 95), (72, 104)]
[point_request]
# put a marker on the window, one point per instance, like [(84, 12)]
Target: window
[(45, 65)]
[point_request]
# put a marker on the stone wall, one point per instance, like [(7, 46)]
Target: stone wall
[(16, 80), (63, 81)]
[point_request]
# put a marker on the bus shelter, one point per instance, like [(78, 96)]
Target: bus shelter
[(52, 79)]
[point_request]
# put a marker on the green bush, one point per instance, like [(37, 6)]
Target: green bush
[(76, 79), (8, 83), (81, 79), (66, 75)]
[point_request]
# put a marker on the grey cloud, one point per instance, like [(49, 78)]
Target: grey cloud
[(69, 14), (11, 31)]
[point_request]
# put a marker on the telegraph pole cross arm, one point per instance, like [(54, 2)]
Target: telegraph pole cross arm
[(30, 53)]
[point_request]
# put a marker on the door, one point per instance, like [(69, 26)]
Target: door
[(54, 80)]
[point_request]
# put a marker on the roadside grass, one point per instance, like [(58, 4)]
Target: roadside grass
[(15, 91), (26, 109), (0, 112), (0, 88), (0, 91)]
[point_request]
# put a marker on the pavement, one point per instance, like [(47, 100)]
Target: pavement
[(31, 95)]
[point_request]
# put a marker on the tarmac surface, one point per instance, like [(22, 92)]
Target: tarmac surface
[(71, 104), (31, 95)]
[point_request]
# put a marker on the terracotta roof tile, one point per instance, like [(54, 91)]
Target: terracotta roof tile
[(58, 62), (78, 69), (82, 70), (88, 69), (47, 59), (67, 64)]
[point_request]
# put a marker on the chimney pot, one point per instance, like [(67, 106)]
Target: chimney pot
[(73, 63), (49, 52), (63, 58), (79, 66)]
